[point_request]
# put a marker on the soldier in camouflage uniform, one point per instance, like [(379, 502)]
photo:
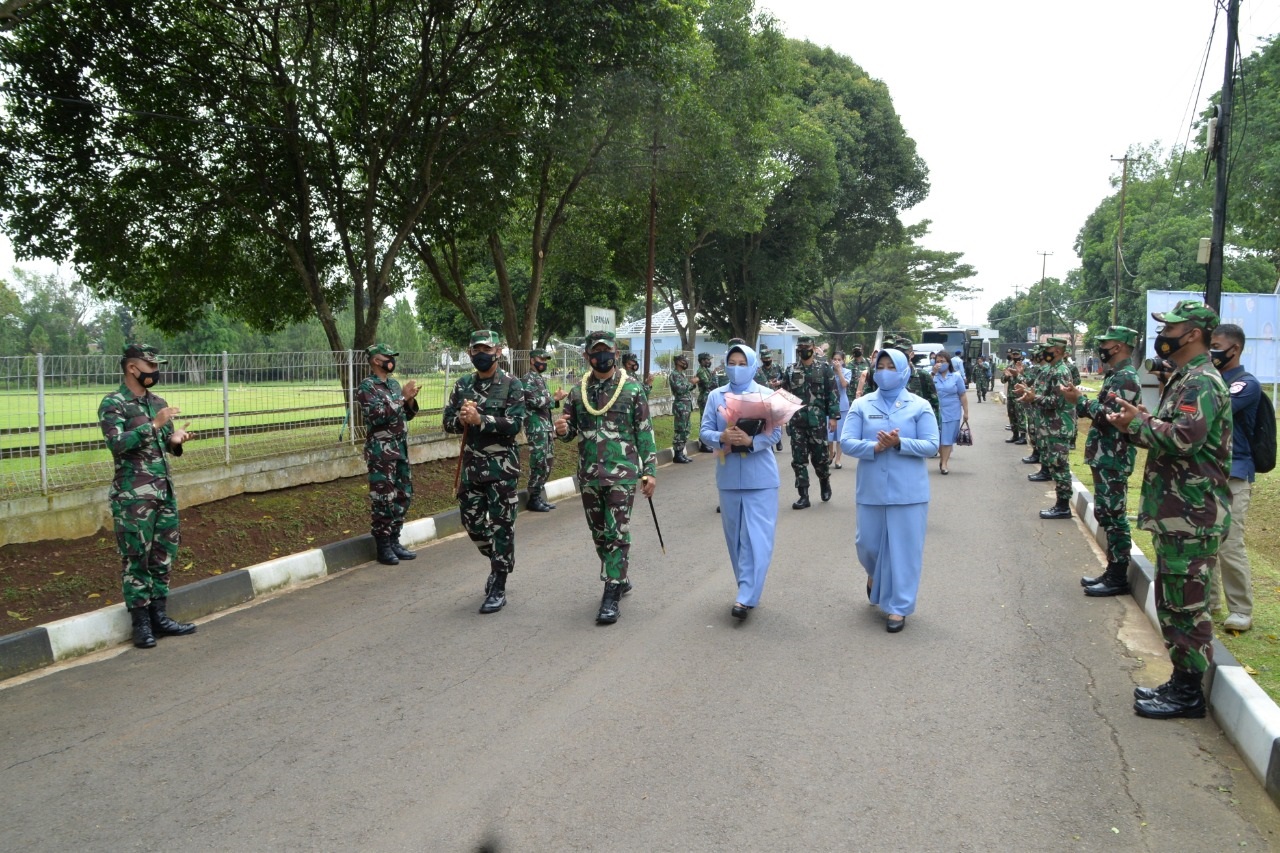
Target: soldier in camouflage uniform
[(770, 376), (705, 381), (138, 428), (1054, 423), (814, 383), (858, 366), (1186, 501), (1011, 376), (609, 415), (1031, 417), (487, 407), (681, 407), (538, 403), (387, 408), (1110, 456), (982, 378)]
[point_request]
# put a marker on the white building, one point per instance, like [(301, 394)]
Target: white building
[(780, 336)]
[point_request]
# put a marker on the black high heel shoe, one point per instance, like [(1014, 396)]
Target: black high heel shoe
[(740, 611), (893, 626)]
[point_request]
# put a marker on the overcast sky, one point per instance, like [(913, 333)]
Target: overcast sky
[(1017, 108)]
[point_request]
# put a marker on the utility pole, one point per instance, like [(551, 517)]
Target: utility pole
[(1124, 179), (1044, 259), (653, 250), (1221, 152)]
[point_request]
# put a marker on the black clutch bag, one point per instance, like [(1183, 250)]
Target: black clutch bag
[(752, 427)]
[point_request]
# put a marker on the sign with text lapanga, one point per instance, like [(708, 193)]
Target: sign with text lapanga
[(1257, 313), (598, 319)]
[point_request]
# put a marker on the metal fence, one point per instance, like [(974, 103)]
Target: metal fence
[(240, 406)]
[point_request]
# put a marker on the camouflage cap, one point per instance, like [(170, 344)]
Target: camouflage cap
[(906, 343), (380, 349), (680, 357), (804, 339), (704, 356), (765, 352), (733, 342), (539, 353), (601, 336), (628, 355), (484, 338), (145, 352), (1189, 311), (1121, 334), (1055, 342)]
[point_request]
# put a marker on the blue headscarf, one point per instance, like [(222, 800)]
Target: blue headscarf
[(753, 364), (903, 367)]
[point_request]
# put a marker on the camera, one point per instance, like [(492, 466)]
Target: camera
[(1159, 365)]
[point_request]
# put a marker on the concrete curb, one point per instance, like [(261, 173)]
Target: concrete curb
[(74, 636), (1248, 716)]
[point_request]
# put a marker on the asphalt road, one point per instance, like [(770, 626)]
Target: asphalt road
[(378, 711)]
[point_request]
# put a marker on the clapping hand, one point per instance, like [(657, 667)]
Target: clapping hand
[(1071, 393), (181, 436), (562, 423), (885, 440), (164, 416), (1128, 411), (409, 390), (560, 394)]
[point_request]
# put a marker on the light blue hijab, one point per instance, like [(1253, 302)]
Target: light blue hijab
[(903, 367), (753, 364)]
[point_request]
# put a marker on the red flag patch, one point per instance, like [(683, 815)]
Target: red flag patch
[(1187, 408)]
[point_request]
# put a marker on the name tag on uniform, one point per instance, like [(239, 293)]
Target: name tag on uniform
[(876, 417)]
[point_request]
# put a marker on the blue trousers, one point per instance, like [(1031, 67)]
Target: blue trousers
[(890, 543), (749, 517)]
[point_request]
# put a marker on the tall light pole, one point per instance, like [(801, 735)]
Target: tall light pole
[(1044, 259), (1124, 179), (1213, 282)]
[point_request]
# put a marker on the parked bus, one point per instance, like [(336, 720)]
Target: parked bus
[(972, 341)]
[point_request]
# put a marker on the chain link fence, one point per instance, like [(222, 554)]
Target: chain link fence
[(241, 406)]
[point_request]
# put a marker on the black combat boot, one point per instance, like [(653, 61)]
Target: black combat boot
[(1022, 439), (803, 502), (542, 501), (824, 490), (1152, 692), (535, 502), (609, 603), (1013, 438), (679, 457), (1114, 582), (162, 625), (142, 636), (1183, 696), (1061, 509), (702, 448), (1041, 476), (495, 592), (386, 555), (1033, 459), (1086, 580), (399, 550)]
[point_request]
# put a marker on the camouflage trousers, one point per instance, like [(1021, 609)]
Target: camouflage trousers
[(982, 388), (608, 510), (390, 485), (488, 513), (1109, 508), (1183, 569), (1053, 456), (682, 412), (808, 444), (147, 536), (1012, 411), (541, 456)]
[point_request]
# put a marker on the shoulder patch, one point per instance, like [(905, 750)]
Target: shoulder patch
[(1187, 408), (1237, 387)]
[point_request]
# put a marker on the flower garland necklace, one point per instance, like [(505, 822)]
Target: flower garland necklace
[(617, 392)]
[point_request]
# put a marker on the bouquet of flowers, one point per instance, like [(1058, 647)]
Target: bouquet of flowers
[(762, 412)]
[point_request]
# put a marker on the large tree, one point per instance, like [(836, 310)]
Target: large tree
[(272, 158)]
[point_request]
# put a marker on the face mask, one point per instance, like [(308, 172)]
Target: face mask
[(389, 365), (602, 362), (146, 380), (1167, 345), (889, 380), (1219, 357), (806, 354), (739, 374), (943, 367), (1106, 354), (540, 366), (768, 362), (482, 361)]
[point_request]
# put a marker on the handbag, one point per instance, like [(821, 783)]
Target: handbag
[(965, 437)]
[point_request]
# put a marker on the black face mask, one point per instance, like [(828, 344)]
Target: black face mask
[(1220, 357), (389, 365), (146, 380), (1167, 345), (602, 362), (482, 361), (540, 366), (768, 362), (1107, 354), (806, 354), (1049, 357)]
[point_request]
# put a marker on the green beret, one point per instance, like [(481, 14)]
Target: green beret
[(380, 349), (147, 353), (1121, 334), (484, 338), (1190, 311)]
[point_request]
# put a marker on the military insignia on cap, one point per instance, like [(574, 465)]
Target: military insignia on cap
[(484, 337), (380, 349), (145, 352)]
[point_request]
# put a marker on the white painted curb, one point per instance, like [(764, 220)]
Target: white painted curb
[(562, 488), (287, 571), (417, 533), (88, 632)]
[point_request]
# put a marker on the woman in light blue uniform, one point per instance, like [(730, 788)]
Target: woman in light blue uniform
[(843, 377), (747, 480), (891, 432), (953, 403)]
